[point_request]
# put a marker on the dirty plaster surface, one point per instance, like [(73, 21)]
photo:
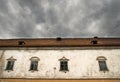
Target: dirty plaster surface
[(81, 64)]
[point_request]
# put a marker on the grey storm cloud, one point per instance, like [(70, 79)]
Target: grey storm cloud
[(59, 18)]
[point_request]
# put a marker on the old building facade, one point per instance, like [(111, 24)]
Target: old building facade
[(37, 60)]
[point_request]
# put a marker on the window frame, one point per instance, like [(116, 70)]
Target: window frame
[(10, 64), (64, 61), (34, 64), (102, 63)]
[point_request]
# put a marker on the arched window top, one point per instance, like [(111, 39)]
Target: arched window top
[(102, 63), (11, 59), (34, 59), (101, 58), (63, 59)]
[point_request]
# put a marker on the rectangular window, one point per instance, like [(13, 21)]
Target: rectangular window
[(103, 66), (34, 65), (10, 65), (63, 66)]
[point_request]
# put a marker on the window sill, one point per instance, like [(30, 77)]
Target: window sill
[(8, 70), (33, 70), (104, 71), (65, 71)]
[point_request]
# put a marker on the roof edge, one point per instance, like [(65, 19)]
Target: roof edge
[(60, 42)]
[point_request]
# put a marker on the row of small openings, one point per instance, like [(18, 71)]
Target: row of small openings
[(22, 43), (92, 42)]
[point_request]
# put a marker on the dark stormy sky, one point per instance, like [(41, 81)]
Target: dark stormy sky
[(59, 18)]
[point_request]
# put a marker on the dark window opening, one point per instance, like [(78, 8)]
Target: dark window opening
[(21, 43), (95, 36), (34, 66), (94, 42), (103, 66), (59, 39), (63, 66), (10, 65)]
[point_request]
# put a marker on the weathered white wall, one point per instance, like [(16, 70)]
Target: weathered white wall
[(81, 64)]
